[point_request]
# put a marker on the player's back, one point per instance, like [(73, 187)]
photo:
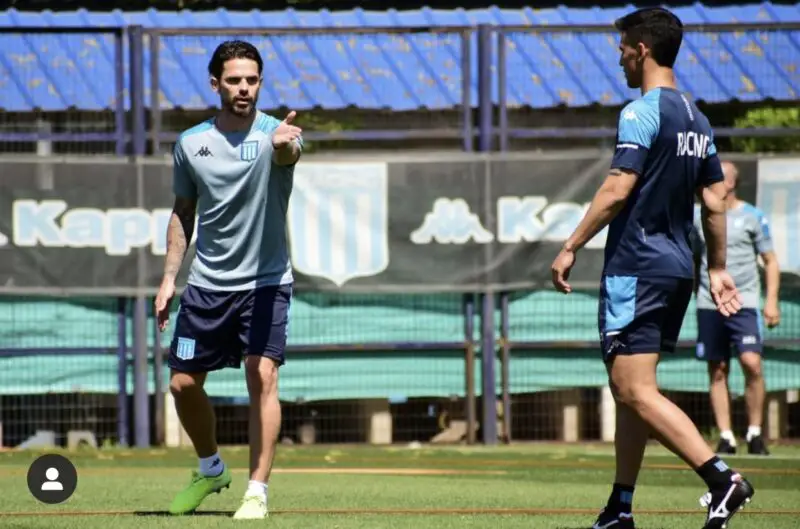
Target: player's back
[(668, 142)]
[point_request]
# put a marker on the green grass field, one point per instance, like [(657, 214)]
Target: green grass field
[(541, 486)]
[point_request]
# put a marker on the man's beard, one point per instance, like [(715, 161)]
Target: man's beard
[(240, 111)]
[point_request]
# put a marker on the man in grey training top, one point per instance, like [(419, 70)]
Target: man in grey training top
[(748, 238), (234, 172)]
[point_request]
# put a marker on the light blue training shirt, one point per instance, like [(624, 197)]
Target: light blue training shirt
[(748, 237), (242, 199)]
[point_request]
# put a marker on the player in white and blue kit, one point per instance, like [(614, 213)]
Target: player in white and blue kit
[(748, 238), (664, 158), (234, 173)]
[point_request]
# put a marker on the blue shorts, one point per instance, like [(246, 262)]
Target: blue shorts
[(214, 330), (641, 314), (717, 335)]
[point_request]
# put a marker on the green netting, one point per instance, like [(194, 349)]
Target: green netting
[(319, 319)]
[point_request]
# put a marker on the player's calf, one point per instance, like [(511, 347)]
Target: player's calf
[(195, 411), (755, 395), (265, 417)]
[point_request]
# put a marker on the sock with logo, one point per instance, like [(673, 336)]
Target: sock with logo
[(728, 436), (715, 473), (621, 499), (256, 488), (753, 431), (212, 465)]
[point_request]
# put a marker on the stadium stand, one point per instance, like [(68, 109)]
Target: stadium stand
[(392, 72)]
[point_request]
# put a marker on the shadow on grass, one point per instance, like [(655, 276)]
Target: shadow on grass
[(198, 513)]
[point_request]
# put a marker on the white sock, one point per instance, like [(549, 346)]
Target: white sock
[(728, 436), (256, 488), (753, 431), (212, 465)]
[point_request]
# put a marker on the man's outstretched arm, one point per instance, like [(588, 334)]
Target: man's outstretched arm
[(287, 141)]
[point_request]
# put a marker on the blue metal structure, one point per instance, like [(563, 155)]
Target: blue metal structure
[(409, 71), (441, 60)]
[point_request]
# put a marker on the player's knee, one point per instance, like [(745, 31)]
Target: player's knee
[(262, 375), (632, 394), (718, 372), (184, 383), (751, 366)]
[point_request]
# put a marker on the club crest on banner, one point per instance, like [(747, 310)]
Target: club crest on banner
[(339, 220)]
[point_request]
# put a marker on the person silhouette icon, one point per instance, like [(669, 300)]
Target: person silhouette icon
[(52, 482), (52, 479)]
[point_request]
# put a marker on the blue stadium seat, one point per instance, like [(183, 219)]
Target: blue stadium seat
[(390, 70)]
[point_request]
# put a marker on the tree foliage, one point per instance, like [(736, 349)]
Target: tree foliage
[(772, 117)]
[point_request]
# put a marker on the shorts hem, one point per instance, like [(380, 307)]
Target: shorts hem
[(279, 359), (197, 369)]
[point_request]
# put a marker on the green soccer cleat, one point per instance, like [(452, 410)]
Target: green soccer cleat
[(192, 496)]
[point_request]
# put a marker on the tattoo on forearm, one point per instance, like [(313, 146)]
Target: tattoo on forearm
[(179, 233)]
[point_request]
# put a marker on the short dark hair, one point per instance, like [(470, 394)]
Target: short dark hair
[(233, 49), (658, 29)]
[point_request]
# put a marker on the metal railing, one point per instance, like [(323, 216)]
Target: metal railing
[(140, 78)]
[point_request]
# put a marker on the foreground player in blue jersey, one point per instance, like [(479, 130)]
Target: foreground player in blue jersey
[(665, 155), (234, 172)]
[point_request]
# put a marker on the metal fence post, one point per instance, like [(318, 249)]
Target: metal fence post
[(155, 93), (505, 362), (140, 350), (122, 372), (119, 93), (485, 86), (136, 49), (489, 416), (466, 90), (158, 385), (469, 335), (502, 88)]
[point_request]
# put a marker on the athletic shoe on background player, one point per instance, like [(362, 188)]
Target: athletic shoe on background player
[(756, 446), (725, 447)]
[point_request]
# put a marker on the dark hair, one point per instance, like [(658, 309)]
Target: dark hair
[(658, 29), (233, 49)]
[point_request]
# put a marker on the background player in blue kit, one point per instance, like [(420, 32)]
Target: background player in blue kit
[(665, 155), (235, 173), (748, 238)]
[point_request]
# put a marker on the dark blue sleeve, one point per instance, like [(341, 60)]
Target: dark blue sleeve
[(711, 172), (636, 131)]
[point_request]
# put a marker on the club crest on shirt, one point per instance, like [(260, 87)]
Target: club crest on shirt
[(249, 151)]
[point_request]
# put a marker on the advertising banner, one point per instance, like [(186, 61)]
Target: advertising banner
[(466, 223)]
